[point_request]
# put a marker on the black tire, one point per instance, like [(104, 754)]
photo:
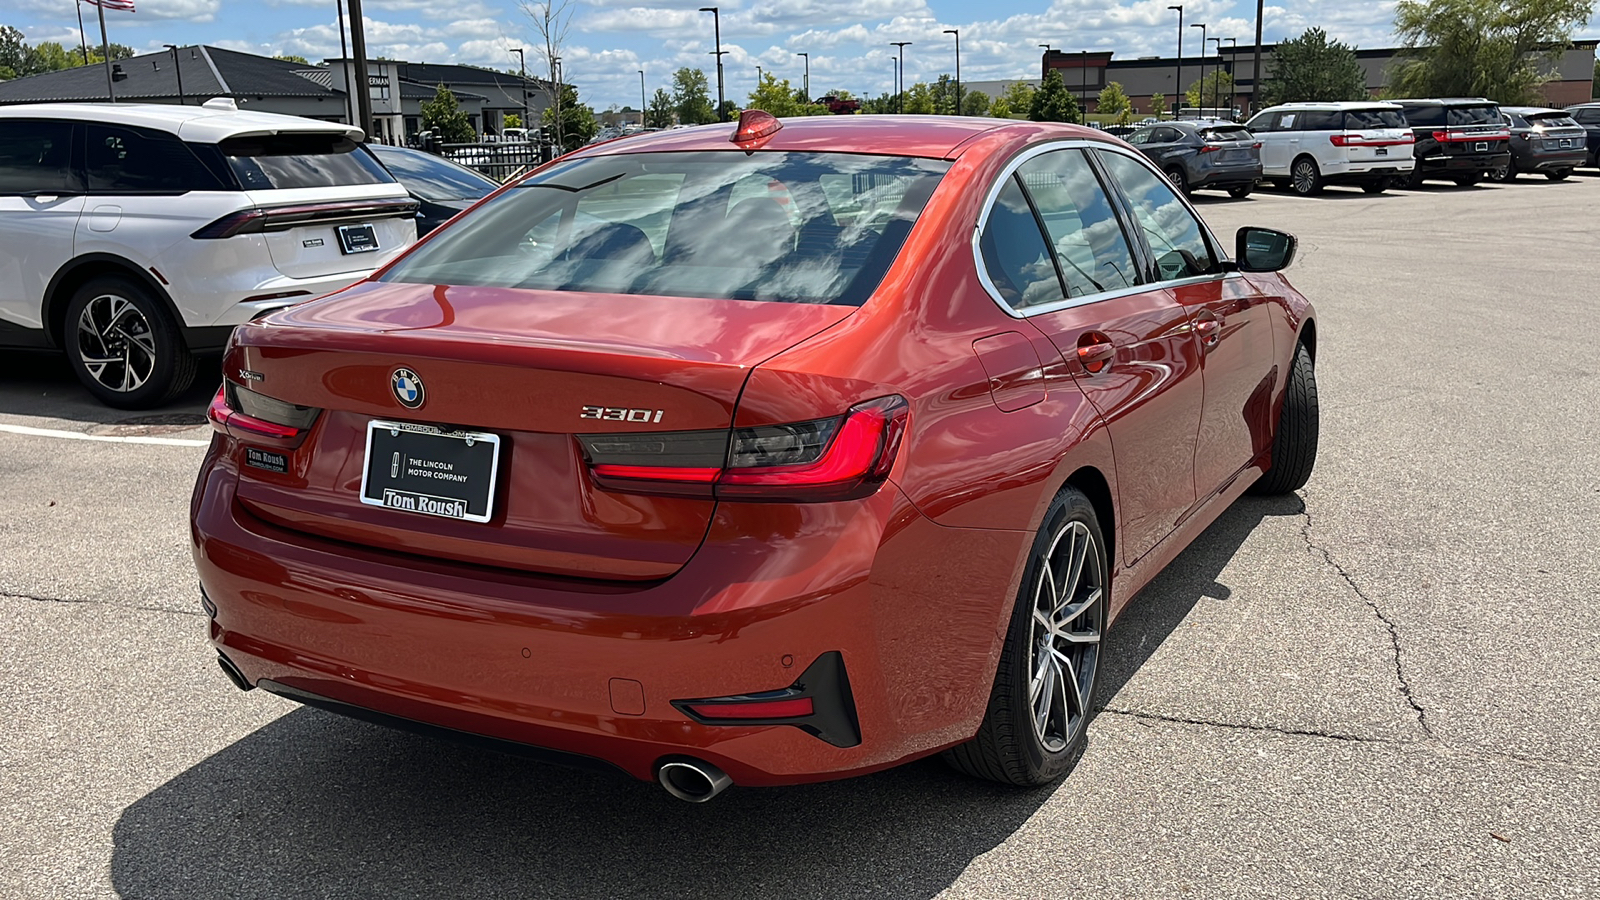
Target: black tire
[(1467, 180), (1008, 747), (124, 346), (1557, 174), (1294, 444), (1307, 177), (1179, 180), (1510, 172), (1377, 185), (1415, 180), (1240, 191)]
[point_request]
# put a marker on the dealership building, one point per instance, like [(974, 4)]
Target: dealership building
[(1086, 73), (198, 73)]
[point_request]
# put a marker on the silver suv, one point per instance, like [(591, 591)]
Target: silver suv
[(132, 237), (1305, 146)]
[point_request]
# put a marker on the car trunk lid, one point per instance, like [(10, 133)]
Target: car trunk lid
[(529, 369)]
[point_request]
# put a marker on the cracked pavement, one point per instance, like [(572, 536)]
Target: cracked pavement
[(1385, 687)]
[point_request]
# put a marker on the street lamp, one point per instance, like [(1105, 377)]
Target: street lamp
[(1083, 87), (1202, 82), (642, 101), (1044, 62), (1216, 78), (561, 138), (1233, 71), (806, 90), (1177, 77), (1255, 68), (716, 25), (522, 63), (957, 33), (900, 101), (182, 101)]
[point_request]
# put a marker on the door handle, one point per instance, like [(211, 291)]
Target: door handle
[(1209, 330), (1096, 357)]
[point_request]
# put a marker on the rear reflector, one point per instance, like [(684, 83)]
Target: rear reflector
[(787, 708), (841, 458)]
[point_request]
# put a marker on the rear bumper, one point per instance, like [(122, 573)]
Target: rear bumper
[(1224, 176), (1549, 160), (591, 669), (1465, 163)]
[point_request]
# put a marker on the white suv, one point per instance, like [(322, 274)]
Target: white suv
[(1307, 145), (133, 236)]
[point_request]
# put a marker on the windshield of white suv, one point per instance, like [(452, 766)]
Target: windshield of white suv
[(785, 227), (1473, 115), (305, 160)]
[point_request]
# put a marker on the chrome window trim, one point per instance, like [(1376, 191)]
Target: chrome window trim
[(1038, 150)]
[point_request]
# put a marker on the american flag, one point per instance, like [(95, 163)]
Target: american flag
[(125, 5)]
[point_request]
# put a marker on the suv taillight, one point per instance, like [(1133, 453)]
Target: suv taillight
[(842, 458), (237, 407), (280, 218)]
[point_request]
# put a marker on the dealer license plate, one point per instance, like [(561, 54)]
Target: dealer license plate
[(427, 470), (357, 239)]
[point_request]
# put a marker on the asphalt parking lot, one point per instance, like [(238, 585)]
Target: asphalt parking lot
[(1388, 686)]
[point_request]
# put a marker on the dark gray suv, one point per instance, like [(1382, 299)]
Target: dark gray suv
[(1543, 140), (1203, 154)]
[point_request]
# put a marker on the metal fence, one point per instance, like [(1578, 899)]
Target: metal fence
[(497, 161)]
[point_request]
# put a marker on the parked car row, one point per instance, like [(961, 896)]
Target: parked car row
[(1375, 145)]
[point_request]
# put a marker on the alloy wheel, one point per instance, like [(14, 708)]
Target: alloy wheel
[(116, 343), (1068, 612), (1305, 177)]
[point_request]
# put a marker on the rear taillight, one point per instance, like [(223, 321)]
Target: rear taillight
[(244, 409), (281, 218), (1346, 140), (842, 458), (1209, 148)]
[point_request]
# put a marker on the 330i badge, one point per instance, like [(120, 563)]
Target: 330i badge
[(851, 498)]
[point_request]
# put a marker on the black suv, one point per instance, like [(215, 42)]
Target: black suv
[(1588, 115), (1462, 139)]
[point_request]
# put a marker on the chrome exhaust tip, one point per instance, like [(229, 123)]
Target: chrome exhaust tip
[(693, 780)]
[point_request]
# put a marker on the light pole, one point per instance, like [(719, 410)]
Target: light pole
[(1233, 71), (758, 78), (178, 69), (1177, 77), (1083, 87), (716, 26), (643, 103), (1255, 68), (1044, 63), (900, 104), (957, 33), (522, 65), (561, 138), (806, 90), (1216, 77), (1202, 83)]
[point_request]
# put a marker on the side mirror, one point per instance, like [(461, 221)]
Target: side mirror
[(1264, 249)]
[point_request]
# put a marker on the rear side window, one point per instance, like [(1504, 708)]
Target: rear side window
[(136, 161), (284, 161), (1089, 245), (1590, 116), (1473, 115), (1425, 115), (1015, 254), (1355, 119), (784, 227), (1142, 136), (1320, 120), (35, 156)]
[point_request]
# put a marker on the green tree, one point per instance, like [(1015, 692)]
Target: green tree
[(944, 96), (1015, 102), (775, 96), (1500, 49), (659, 115), (919, 100), (1311, 67), (692, 97), (975, 103), (1216, 89), (13, 52), (1114, 102), (578, 123), (444, 116), (511, 120), (879, 105), (1158, 105), (49, 56), (1053, 102), (295, 58)]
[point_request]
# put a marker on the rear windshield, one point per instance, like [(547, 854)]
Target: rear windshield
[(785, 227), (432, 178), (1552, 120), (1233, 133), (282, 161), (1473, 115), (1374, 118)]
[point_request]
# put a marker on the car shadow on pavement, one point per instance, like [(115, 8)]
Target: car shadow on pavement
[(316, 805), (39, 383), (1166, 601)]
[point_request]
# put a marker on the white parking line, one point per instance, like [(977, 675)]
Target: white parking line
[(110, 439)]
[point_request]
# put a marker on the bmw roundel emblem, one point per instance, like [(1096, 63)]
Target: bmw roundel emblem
[(407, 388)]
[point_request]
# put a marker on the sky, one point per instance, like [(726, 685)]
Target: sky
[(610, 41)]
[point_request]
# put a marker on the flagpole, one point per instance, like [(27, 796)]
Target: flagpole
[(105, 48), (83, 41)]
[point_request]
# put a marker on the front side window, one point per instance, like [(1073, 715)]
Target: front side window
[(1014, 252), (301, 160), (125, 161), (35, 156), (1590, 116), (1090, 248), (1173, 232), (784, 227)]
